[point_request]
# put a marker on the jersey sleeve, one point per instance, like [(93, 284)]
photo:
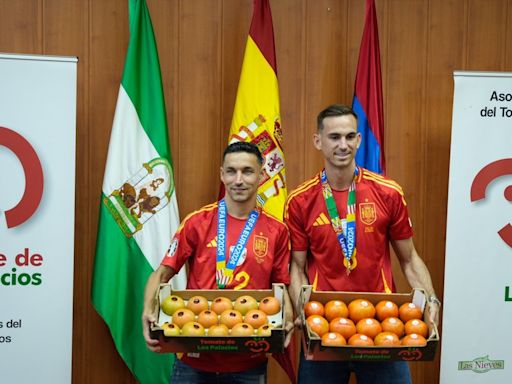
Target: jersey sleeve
[(295, 221), (181, 247), (400, 227), (280, 269)]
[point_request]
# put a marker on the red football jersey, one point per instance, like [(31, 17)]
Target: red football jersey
[(265, 260), (381, 216)]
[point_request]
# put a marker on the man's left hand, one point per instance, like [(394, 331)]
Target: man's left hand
[(432, 315)]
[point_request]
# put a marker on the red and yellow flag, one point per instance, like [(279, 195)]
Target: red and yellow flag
[(257, 119), (256, 116)]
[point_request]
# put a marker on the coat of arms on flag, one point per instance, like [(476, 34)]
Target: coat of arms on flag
[(142, 196), (268, 138)]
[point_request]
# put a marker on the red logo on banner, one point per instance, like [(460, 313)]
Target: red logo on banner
[(33, 177), (487, 175)]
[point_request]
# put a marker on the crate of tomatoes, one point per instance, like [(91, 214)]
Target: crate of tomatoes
[(366, 326), (220, 320)]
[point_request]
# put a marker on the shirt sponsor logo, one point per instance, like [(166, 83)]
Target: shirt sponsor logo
[(481, 365)]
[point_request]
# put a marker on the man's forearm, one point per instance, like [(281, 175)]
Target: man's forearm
[(150, 292), (418, 276), (298, 279), (288, 306)]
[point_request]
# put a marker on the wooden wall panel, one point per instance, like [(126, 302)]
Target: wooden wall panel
[(445, 19), (508, 37), (406, 63), (326, 31), (384, 26), (290, 36), (201, 45), (165, 19), (199, 94), (236, 20), (21, 26), (404, 133), (356, 11), (486, 35)]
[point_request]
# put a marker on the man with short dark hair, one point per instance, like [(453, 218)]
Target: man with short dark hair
[(220, 255), (341, 223)]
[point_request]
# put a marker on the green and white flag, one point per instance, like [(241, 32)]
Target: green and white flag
[(138, 210)]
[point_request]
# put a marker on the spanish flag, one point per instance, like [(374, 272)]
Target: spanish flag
[(256, 116), (256, 119)]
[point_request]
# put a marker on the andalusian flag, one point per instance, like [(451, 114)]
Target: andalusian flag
[(138, 214), (367, 103), (256, 116)]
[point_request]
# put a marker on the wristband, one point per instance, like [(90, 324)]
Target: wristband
[(434, 299)]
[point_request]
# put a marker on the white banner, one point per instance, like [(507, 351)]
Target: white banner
[(477, 318), (37, 202)]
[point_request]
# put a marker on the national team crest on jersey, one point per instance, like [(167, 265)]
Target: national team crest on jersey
[(367, 213), (260, 247)]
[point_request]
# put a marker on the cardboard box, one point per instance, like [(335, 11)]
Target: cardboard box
[(314, 350), (252, 344)]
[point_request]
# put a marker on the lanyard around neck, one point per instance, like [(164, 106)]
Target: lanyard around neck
[(346, 240), (224, 272)]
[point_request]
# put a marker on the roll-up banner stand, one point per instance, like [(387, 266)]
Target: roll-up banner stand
[(477, 314), (37, 203)]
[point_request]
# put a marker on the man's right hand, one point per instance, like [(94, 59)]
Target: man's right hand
[(162, 274), (147, 321)]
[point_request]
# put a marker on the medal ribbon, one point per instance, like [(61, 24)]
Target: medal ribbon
[(224, 272), (346, 240)]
